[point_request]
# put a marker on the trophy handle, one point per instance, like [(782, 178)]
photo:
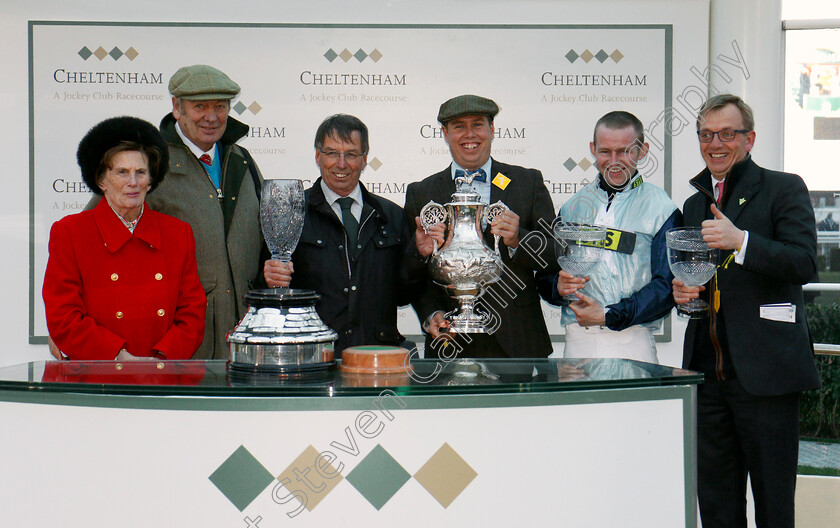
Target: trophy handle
[(430, 215), (490, 214)]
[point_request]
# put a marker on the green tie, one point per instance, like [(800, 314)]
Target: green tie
[(351, 225)]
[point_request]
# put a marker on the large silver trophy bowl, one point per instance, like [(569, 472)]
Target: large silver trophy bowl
[(281, 334), (464, 266), (693, 262), (579, 249), (281, 216)]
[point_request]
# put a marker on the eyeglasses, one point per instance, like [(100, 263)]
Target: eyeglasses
[(707, 136), (349, 157)]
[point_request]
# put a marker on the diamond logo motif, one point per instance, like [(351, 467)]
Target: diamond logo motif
[(375, 55), (131, 53), (378, 477), (602, 56), (585, 164), (241, 478), (116, 53), (360, 55), (85, 53), (587, 56), (310, 477), (254, 108), (616, 56), (239, 107), (100, 53), (570, 164), (375, 164), (330, 55), (445, 475), (572, 56), (345, 55)]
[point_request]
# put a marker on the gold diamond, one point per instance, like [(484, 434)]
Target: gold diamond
[(254, 108), (100, 53), (323, 479), (131, 53), (445, 475), (616, 56), (345, 55), (585, 164), (375, 164), (586, 56), (375, 55)]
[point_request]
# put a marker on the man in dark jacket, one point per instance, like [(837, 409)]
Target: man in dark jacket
[(754, 347), (352, 246)]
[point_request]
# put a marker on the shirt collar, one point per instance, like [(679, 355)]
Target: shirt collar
[(197, 152), (486, 167), (331, 196)]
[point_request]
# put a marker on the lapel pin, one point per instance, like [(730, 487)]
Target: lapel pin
[(741, 201)]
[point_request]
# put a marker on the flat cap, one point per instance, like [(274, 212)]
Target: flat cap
[(467, 105), (200, 82)]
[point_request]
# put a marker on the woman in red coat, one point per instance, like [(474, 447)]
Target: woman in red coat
[(121, 280)]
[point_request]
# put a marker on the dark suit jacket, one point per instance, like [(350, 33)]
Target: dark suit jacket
[(522, 331), (769, 357)]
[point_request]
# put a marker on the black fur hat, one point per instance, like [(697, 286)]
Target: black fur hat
[(110, 133)]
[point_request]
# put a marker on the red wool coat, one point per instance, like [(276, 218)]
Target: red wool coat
[(106, 289)]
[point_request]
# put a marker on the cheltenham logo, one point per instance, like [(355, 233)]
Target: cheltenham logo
[(116, 53), (313, 475), (584, 164), (240, 107), (347, 55), (600, 56)]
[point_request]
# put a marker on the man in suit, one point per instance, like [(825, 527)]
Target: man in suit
[(467, 122), (213, 185), (754, 347)]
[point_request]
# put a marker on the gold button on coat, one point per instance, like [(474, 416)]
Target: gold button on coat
[(158, 276), (114, 276), (161, 312), (119, 315)]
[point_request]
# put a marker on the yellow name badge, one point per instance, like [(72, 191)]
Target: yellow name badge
[(616, 240), (501, 181)]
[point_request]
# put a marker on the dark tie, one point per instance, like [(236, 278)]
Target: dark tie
[(206, 159), (351, 225), (719, 186), (480, 175)]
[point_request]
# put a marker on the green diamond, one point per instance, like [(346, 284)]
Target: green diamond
[(378, 477), (239, 107), (572, 56), (85, 53), (601, 56), (360, 55), (570, 164), (330, 55), (116, 53), (241, 478)]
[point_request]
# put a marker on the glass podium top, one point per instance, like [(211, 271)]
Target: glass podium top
[(425, 377)]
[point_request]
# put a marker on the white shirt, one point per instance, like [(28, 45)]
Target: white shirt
[(332, 198)]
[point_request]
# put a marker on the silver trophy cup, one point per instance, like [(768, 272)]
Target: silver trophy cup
[(464, 266)]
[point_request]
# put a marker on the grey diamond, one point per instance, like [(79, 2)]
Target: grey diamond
[(240, 107), (85, 53), (330, 55), (570, 164), (601, 56), (572, 56), (116, 53), (360, 55)]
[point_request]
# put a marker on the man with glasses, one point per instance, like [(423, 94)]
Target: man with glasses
[(352, 245), (630, 290), (754, 347), (467, 122)]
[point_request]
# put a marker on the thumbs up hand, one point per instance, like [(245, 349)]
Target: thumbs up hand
[(720, 233)]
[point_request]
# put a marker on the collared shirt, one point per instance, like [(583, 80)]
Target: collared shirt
[(332, 199), (214, 170), (193, 147), (130, 225), (483, 188)]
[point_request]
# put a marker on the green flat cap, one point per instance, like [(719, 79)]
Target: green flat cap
[(200, 82), (467, 105)]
